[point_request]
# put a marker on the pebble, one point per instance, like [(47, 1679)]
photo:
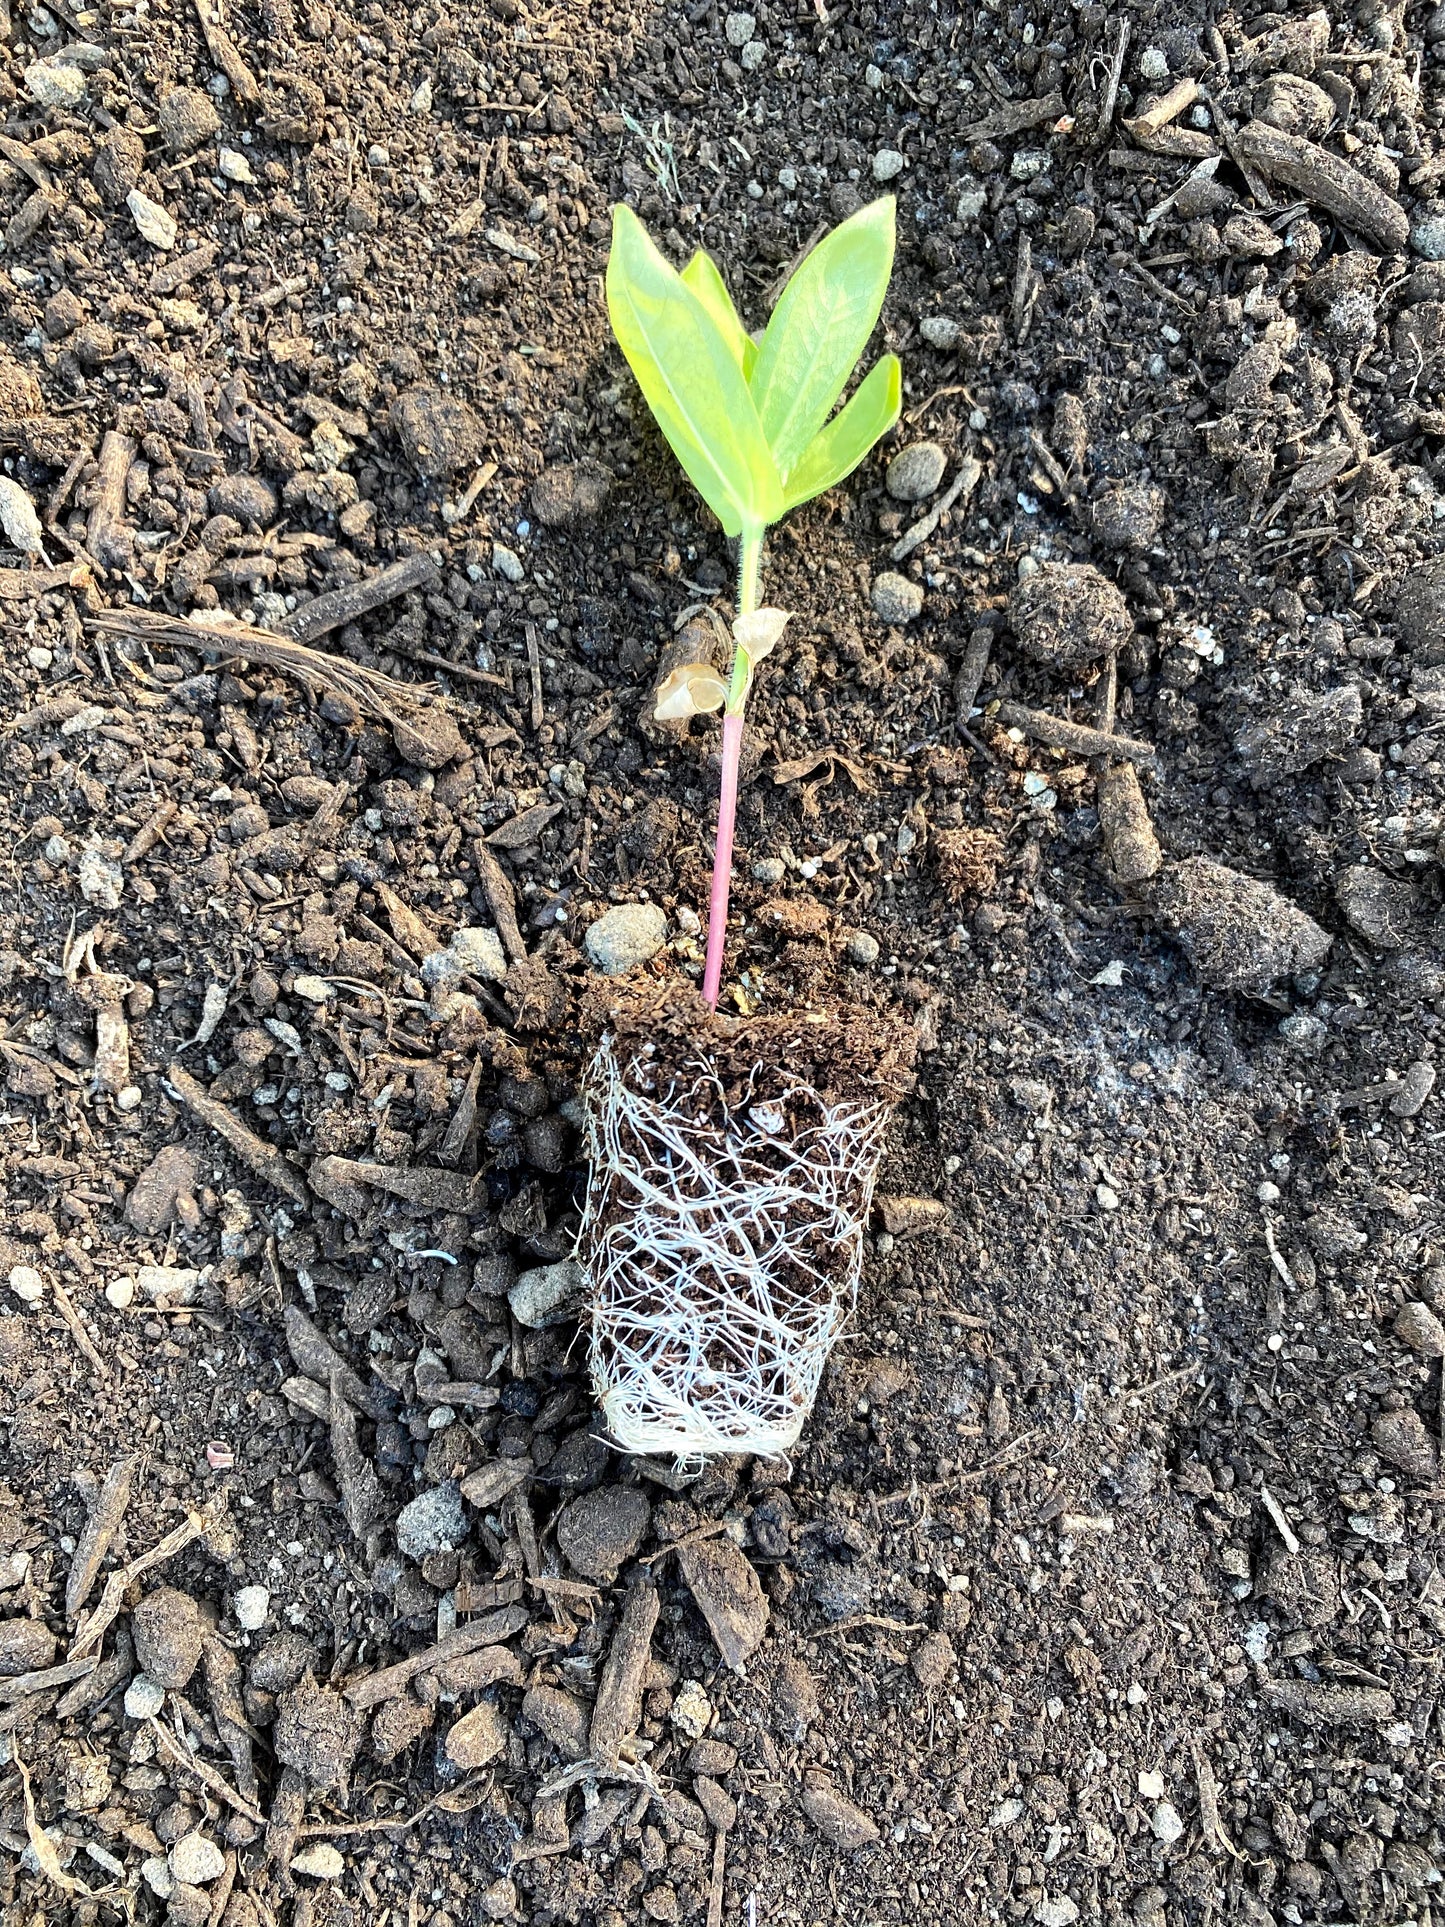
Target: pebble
[(1427, 236), (196, 1860), (1415, 1088), (157, 1876), (234, 166), (153, 223), (1418, 1327), (1066, 615), (692, 1710), (753, 56), (1154, 64), (27, 1284), (169, 1633), (251, 1604), (940, 331), (739, 28), (896, 600), (479, 953), (862, 949), (548, 1295), (508, 563), (624, 937), (319, 1862), (599, 1530), (769, 870), (570, 493), (57, 89), (435, 1521), (1304, 1033), (143, 1698), (500, 1900), (888, 164), (915, 472), (1061, 1912), (1165, 1823), (101, 879), (478, 1738)]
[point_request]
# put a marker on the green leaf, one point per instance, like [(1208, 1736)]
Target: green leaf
[(837, 450), (689, 373), (702, 277), (819, 329)]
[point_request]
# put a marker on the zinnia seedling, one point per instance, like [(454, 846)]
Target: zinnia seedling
[(749, 421)]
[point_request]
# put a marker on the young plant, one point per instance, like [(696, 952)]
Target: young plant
[(749, 421)]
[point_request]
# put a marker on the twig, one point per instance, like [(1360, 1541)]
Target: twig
[(1277, 1258), (77, 1329), (964, 483), (101, 1525), (264, 1159), (227, 56), (341, 606), (534, 667), (206, 1774), (92, 1630), (501, 900), (388, 1682), (1057, 734), (1215, 1838), (322, 1830), (106, 536), (1286, 1530), (715, 1885), (20, 1686), (855, 1622), (973, 669)]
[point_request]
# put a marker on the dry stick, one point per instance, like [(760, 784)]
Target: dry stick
[(341, 606), (77, 1329), (1058, 734), (501, 900), (101, 1525), (92, 1630), (1328, 182), (388, 1682), (106, 536), (263, 1158), (21, 1685), (17, 584), (534, 667), (148, 835), (1167, 108), (973, 669), (227, 56), (964, 483), (1286, 1530), (715, 1886), (207, 1775)]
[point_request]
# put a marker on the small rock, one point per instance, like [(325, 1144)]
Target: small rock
[(1067, 615), (439, 433), (169, 1632), (234, 166), (27, 1284), (915, 472), (895, 599), (1153, 64), (570, 494), (692, 1710), (507, 563), (319, 1862), (940, 331), (625, 937), (57, 89), (1427, 236), (1165, 1823), (1415, 1088), (26, 1646), (1238, 932), (599, 1530), (152, 221), (1304, 1033), (500, 1901), (1418, 1327), (888, 164), (317, 1732), (739, 28), (435, 1521), (251, 1604), (196, 1860), (769, 870), (187, 119), (1401, 1438), (934, 1660), (1060, 1912), (834, 1814), (548, 1295), (862, 949), (20, 521), (479, 953), (143, 1698), (157, 1876), (728, 1594), (1126, 515), (101, 879), (478, 1738), (250, 499), (1378, 906)]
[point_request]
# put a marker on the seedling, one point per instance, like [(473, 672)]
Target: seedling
[(750, 423)]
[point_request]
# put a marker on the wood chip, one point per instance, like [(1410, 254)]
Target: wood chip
[(263, 1159), (103, 1520), (617, 1713), (1326, 181), (386, 1684)]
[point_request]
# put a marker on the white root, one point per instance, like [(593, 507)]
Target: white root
[(723, 1246)]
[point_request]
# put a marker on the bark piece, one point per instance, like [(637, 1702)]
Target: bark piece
[(1124, 821), (263, 1159), (1320, 1703), (618, 1711), (101, 1524), (728, 1595), (107, 538), (361, 1499), (1326, 181), (389, 1681), (320, 1360)]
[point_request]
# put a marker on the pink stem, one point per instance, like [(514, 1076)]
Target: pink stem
[(722, 863)]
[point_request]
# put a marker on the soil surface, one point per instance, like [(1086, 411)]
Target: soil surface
[(1105, 748)]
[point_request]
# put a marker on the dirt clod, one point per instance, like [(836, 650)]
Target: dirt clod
[(169, 1632), (1067, 615)]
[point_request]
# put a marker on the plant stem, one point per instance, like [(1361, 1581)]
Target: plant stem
[(750, 562)]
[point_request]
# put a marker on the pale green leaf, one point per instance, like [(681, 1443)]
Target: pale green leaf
[(837, 450), (819, 329), (702, 276), (689, 374)]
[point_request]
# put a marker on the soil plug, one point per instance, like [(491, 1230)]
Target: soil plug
[(729, 1191)]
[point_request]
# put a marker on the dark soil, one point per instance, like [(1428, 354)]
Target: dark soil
[(1106, 1583)]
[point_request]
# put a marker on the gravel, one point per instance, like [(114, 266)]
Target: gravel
[(625, 937), (435, 1521), (896, 600), (143, 1698), (196, 1860), (916, 471), (863, 948), (251, 1604)]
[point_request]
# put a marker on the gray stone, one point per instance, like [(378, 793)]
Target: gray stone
[(940, 331), (479, 953), (915, 472), (196, 1860), (508, 563), (58, 89), (435, 1521), (143, 1698), (862, 948), (624, 937), (895, 599), (548, 1295), (1427, 236), (739, 29), (888, 164), (251, 1605)]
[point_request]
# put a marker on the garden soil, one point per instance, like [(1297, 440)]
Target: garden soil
[(1105, 749)]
